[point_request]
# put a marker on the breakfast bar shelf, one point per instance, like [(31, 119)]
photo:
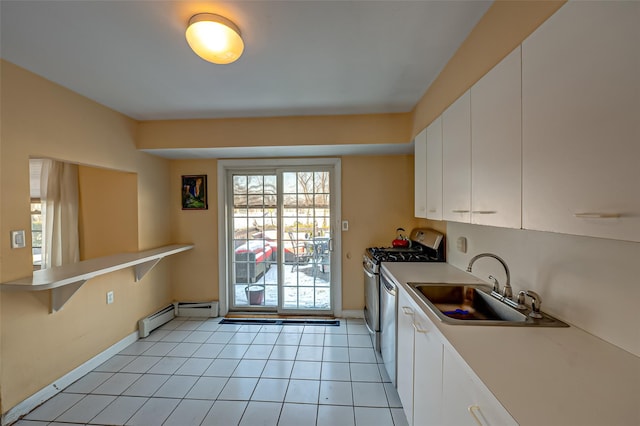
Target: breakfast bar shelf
[(64, 281)]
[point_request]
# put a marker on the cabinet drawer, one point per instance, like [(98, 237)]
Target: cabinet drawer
[(466, 400)]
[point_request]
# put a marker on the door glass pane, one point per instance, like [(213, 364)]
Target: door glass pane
[(254, 271), (281, 258), (307, 230)]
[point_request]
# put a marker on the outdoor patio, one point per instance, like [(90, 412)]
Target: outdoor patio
[(305, 286)]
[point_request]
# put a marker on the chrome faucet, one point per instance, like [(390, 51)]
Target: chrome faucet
[(507, 291), (536, 302)]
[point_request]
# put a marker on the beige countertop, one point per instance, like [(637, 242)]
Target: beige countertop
[(542, 376)]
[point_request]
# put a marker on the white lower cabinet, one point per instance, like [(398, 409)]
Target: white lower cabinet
[(419, 377), (465, 399), (427, 389), (404, 357), (435, 385)]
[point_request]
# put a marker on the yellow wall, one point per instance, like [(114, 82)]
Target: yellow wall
[(41, 119), (377, 198), (276, 131), (373, 215), (505, 25), (195, 277), (108, 212)]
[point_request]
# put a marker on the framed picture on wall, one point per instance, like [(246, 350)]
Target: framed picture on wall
[(194, 192)]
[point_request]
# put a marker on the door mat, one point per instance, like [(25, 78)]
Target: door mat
[(263, 321)]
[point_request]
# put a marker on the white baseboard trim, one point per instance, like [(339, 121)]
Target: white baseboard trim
[(353, 314), (54, 388)]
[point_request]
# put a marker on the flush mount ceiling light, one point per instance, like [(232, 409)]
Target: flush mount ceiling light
[(214, 38)]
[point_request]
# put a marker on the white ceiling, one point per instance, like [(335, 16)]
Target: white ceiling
[(301, 57)]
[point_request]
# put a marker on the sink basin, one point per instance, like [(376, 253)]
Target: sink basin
[(473, 304)]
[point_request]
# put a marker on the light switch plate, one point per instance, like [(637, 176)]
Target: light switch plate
[(17, 239), (345, 225)]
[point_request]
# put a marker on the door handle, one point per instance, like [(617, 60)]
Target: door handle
[(472, 410), (367, 273), (418, 329), (597, 215), (391, 292)]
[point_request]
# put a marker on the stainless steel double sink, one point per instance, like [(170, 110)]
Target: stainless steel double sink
[(474, 304)]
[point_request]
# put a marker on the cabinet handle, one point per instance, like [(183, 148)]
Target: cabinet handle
[(597, 215), (418, 329), (484, 212), (407, 310), (459, 211), (432, 210), (472, 409)]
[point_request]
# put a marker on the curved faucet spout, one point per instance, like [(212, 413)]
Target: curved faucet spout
[(507, 292)]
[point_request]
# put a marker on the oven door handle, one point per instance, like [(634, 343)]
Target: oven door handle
[(366, 271), (391, 291), (369, 327)]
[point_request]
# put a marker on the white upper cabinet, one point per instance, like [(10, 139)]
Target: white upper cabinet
[(581, 121), (456, 160), (420, 174), (496, 145), (434, 170)]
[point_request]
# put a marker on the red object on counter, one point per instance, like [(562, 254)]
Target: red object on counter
[(400, 243)]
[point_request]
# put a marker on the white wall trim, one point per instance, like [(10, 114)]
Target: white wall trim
[(224, 165), (54, 388)]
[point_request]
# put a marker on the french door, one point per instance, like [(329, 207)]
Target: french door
[(280, 239)]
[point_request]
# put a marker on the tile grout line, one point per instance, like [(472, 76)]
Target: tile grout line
[(350, 334)]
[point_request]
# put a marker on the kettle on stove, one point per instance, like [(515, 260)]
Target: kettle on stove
[(401, 239)]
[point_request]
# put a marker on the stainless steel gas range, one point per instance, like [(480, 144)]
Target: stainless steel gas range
[(427, 245)]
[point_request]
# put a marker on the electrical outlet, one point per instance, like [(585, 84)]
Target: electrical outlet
[(461, 244), (345, 225), (109, 297)]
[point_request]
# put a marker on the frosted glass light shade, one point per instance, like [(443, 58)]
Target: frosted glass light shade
[(214, 38)]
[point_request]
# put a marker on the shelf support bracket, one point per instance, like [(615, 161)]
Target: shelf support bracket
[(143, 268), (61, 295)]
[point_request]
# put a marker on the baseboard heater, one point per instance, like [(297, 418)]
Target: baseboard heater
[(196, 309), (177, 309), (260, 321), (153, 321)]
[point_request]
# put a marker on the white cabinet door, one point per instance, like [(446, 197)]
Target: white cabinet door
[(465, 399), (456, 160), (404, 377), (496, 145), (427, 388), (420, 174), (581, 121), (434, 170)]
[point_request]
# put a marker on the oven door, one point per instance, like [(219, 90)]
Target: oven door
[(372, 305)]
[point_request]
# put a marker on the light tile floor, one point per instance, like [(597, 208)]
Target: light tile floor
[(198, 372)]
